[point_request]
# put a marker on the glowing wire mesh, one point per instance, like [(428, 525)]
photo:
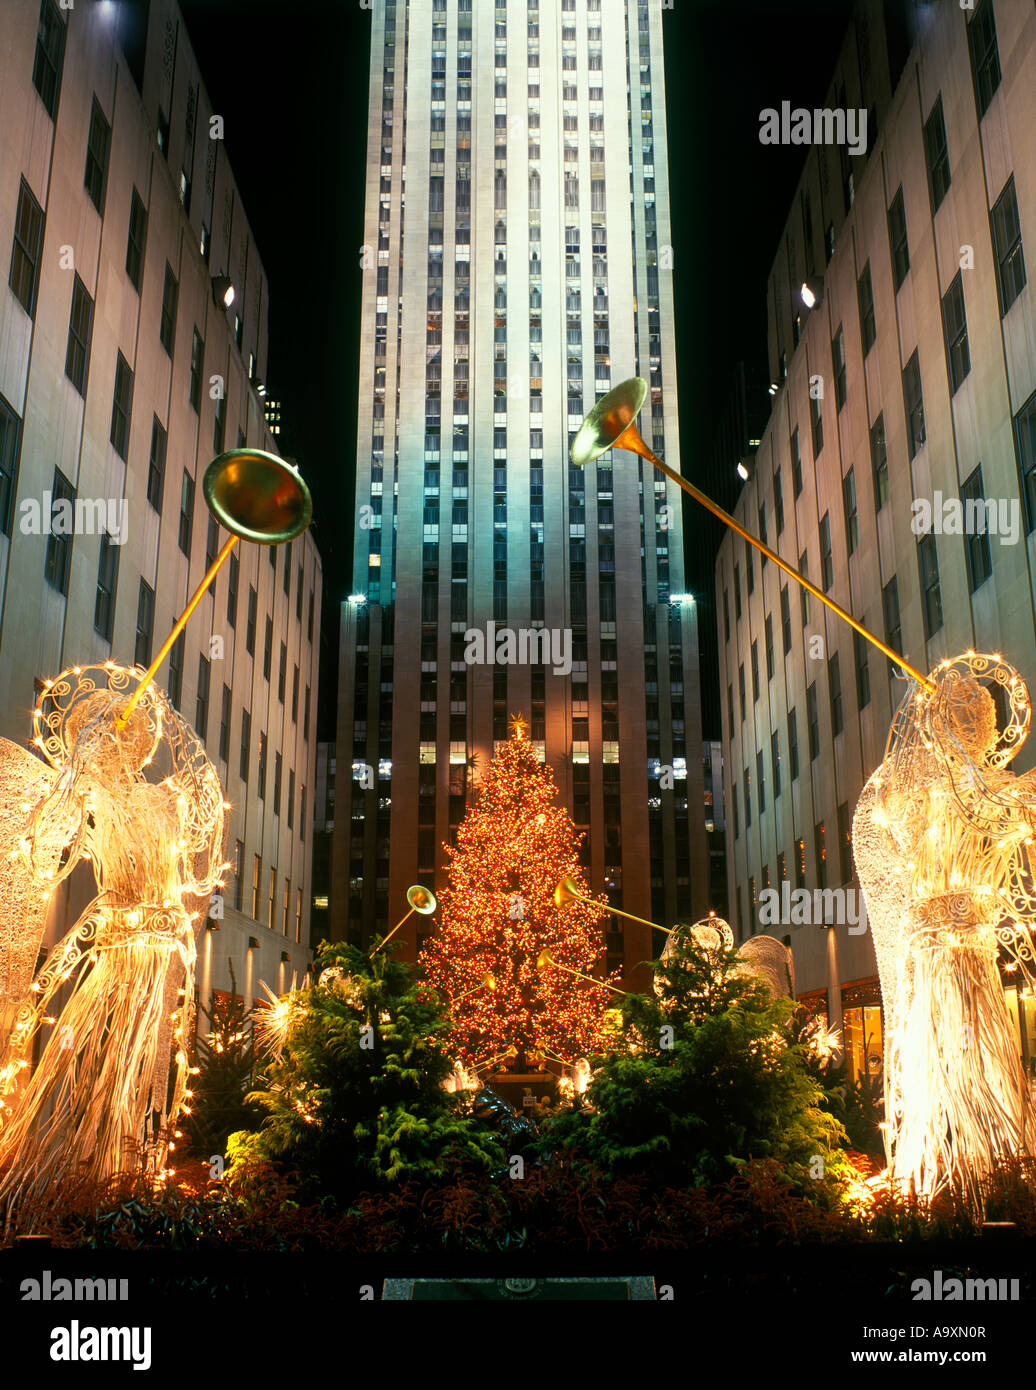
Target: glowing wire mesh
[(942, 838), (144, 806)]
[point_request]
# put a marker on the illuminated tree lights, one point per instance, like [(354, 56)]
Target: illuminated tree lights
[(498, 914), (943, 841)]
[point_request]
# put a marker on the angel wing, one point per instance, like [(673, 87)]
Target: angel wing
[(24, 782), (886, 891)]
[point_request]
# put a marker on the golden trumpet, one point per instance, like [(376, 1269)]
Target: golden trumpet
[(611, 424), (421, 899), (257, 497)]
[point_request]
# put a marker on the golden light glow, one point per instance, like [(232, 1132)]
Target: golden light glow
[(940, 840), (91, 1103)]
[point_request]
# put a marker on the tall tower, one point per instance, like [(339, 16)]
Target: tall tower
[(519, 264)]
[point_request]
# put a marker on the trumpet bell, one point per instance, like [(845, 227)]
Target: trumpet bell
[(257, 496), (543, 960), (421, 899), (567, 892), (609, 422)]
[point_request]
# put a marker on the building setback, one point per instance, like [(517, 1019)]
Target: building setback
[(922, 345), (121, 377), (524, 272)]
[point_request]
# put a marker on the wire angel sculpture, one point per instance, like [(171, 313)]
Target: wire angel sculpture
[(110, 1009), (943, 842)]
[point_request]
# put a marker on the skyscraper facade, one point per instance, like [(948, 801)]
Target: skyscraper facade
[(123, 372), (903, 399), (518, 263)]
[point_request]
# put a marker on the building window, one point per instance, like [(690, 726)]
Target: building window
[(59, 543), (107, 579), (1025, 433), (834, 686), (852, 521), (298, 915), (239, 859), (898, 239), (775, 762), (162, 133), (955, 328), (786, 619), (803, 591), (201, 707), (976, 535), (145, 624), (936, 154), (197, 367), (136, 240), (156, 465), (80, 329), (769, 646), (827, 562), (122, 404), (838, 361), (813, 721), (793, 743), (913, 400), (985, 57), (253, 600), (726, 616), (879, 463), (211, 543), (796, 462), (278, 765), (302, 814), (282, 673), (778, 503), (309, 621), (931, 597), (737, 593), (800, 863), (820, 850), (257, 878), (219, 427), (268, 649), (224, 725), (186, 512), (755, 672), (1007, 242), (233, 578), (50, 52), (861, 651), (865, 296), (890, 613), (10, 433), (741, 689), (748, 798), (167, 323), (760, 779), (817, 423), (24, 278), (246, 744), (98, 146), (174, 686), (291, 799)]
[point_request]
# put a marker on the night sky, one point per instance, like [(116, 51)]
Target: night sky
[(291, 81)]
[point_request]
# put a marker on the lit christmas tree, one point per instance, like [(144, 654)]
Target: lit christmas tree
[(498, 915)]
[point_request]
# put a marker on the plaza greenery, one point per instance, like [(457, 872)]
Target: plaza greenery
[(705, 1074), (355, 1099)]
